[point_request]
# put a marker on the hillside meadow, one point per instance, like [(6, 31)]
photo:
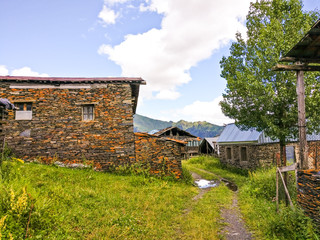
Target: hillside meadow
[(48, 202)]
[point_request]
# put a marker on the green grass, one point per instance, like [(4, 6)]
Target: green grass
[(257, 201), (62, 203)]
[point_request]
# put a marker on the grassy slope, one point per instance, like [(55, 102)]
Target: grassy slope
[(256, 199), (83, 204)]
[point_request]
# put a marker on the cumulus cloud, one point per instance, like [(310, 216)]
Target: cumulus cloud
[(189, 33), (204, 111), (3, 70), (26, 71), (107, 15)]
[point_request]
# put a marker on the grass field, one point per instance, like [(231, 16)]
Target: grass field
[(47, 202)]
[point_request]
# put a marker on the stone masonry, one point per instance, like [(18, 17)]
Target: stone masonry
[(257, 155), (58, 131), (309, 193), (162, 155)]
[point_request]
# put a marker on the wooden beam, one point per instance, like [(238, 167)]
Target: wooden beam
[(302, 67), (303, 147), (303, 60), (288, 168), (285, 188)]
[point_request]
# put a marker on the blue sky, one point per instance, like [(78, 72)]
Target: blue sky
[(175, 45)]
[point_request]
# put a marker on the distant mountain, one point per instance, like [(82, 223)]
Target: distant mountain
[(200, 129)]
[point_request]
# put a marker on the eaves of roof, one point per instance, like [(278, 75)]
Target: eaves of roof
[(70, 80)]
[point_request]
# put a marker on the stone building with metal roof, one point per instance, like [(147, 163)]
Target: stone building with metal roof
[(250, 149)]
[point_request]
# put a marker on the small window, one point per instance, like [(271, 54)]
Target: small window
[(87, 112), (23, 111), (243, 153), (229, 153)]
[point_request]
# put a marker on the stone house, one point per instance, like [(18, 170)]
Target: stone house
[(193, 142), (72, 119), (251, 149)]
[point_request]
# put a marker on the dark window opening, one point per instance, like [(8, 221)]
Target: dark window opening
[(244, 156), (228, 153), (87, 112)]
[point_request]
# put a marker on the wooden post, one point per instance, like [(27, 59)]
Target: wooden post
[(277, 190), (303, 148), (285, 188)]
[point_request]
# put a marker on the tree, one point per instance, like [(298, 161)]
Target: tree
[(257, 97)]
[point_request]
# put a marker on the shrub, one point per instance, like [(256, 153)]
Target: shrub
[(291, 224)]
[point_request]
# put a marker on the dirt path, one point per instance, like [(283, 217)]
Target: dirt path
[(235, 228)]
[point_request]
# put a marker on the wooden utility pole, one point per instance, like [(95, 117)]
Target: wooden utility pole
[(303, 147)]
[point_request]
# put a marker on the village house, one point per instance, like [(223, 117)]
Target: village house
[(72, 119), (192, 147), (251, 149)]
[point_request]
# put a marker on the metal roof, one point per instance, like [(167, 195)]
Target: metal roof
[(72, 79), (232, 134), (210, 141), (307, 50)]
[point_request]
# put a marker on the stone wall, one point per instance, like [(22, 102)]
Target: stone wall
[(162, 155), (58, 132), (258, 155), (309, 193)]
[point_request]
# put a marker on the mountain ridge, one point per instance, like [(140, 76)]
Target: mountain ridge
[(200, 129)]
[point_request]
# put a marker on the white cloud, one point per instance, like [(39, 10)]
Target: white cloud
[(26, 71), (168, 94), (113, 2), (204, 111), (3, 70), (107, 15), (189, 34)]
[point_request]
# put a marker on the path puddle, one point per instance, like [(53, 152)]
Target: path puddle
[(203, 183), (233, 187)]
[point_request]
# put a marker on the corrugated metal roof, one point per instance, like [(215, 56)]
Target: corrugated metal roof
[(231, 133)]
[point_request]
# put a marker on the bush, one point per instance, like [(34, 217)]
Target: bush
[(186, 176), (291, 224)]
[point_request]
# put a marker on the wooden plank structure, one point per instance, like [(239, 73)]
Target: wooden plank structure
[(303, 57), (304, 53)]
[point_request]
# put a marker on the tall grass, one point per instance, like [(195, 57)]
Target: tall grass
[(47, 202), (256, 193)]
